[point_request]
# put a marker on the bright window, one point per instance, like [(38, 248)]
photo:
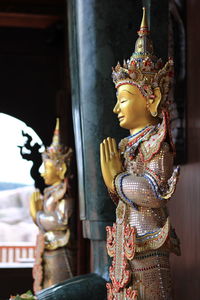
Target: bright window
[(16, 186)]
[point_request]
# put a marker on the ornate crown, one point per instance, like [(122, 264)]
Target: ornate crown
[(57, 152), (144, 69)]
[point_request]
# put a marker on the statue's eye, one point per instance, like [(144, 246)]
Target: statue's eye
[(123, 100)]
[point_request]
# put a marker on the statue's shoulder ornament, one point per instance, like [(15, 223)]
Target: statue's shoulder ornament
[(153, 141)]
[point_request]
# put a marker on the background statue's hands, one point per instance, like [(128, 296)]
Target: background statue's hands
[(111, 163), (36, 204)]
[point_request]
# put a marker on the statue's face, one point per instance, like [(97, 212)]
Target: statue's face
[(131, 107), (51, 173)]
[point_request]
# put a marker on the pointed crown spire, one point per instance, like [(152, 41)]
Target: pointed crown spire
[(144, 69), (144, 23), (56, 135), (56, 151), (143, 45)]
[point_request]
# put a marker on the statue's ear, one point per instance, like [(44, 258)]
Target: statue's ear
[(62, 170), (154, 102)]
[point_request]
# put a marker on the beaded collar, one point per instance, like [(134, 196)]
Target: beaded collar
[(129, 145), (132, 139)]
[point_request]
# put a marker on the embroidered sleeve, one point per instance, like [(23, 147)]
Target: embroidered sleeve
[(154, 186)]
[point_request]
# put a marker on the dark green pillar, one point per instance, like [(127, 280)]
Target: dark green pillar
[(101, 33)]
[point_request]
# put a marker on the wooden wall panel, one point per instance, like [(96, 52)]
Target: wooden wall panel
[(185, 207)]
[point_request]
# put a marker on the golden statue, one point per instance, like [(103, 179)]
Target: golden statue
[(51, 212), (140, 177)]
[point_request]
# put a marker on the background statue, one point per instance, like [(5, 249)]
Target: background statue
[(51, 213), (140, 177)]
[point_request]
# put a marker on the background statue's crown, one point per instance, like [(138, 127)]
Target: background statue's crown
[(56, 152), (144, 69)]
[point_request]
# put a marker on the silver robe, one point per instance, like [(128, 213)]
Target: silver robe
[(58, 259)]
